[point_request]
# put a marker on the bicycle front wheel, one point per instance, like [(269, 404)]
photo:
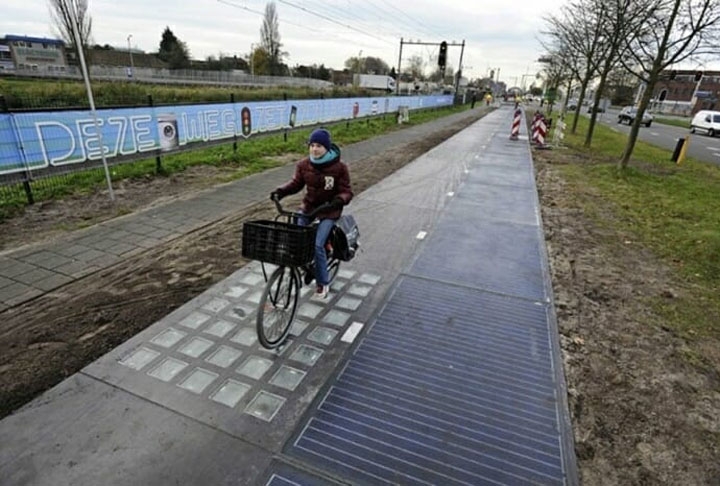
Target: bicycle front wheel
[(333, 268), (277, 307)]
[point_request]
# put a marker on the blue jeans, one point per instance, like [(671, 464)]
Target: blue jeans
[(323, 232)]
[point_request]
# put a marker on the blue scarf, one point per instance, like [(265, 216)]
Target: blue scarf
[(329, 155)]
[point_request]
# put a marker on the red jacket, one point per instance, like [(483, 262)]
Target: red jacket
[(324, 183)]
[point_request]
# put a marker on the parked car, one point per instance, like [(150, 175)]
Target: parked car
[(706, 120), (572, 105), (629, 113)]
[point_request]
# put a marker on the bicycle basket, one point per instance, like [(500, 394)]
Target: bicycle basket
[(278, 242)]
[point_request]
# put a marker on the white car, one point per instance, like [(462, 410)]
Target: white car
[(707, 121), (629, 113)]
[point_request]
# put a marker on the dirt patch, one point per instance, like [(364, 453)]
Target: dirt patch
[(642, 415)]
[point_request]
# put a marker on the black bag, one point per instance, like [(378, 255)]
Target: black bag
[(345, 235)]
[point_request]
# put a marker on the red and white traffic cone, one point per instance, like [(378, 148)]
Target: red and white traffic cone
[(541, 131), (515, 130), (534, 126)]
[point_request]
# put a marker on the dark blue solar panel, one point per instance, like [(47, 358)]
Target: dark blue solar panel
[(452, 385)]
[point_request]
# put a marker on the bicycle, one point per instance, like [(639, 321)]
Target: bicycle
[(291, 247)]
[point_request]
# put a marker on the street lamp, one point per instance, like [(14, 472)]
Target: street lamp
[(132, 65)]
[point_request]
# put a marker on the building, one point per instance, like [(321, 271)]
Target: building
[(33, 53), (686, 92)]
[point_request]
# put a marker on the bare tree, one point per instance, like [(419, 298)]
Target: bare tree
[(270, 40), (62, 13), (678, 30), (578, 33)]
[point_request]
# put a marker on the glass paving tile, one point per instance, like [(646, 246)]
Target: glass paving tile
[(348, 303), (254, 367), (196, 346), (252, 279), (345, 273), (309, 310), (198, 380), (368, 278), (265, 405), (216, 305), (230, 393), (167, 369), (220, 328), (336, 318), (224, 356), (235, 292), (360, 290), (194, 320), (338, 285), (140, 358), (298, 327), (306, 354), (322, 335), (287, 377), (255, 297), (241, 311), (245, 336), (168, 338)]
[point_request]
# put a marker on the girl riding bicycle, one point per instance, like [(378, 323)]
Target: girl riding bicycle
[(327, 180)]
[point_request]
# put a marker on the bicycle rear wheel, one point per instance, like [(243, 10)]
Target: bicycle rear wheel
[(277, 307)]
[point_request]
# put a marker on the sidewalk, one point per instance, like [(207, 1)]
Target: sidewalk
[(435, 359)]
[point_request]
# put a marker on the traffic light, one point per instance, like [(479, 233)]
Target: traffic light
[(698, 76), (246, 121), (443, 54)]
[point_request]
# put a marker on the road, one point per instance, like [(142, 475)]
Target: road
[(701, 146)]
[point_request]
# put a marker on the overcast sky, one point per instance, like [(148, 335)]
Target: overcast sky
[(497, 34)]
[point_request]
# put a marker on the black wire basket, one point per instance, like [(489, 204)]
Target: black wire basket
[(278, 242)]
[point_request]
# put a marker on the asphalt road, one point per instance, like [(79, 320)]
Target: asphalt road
[(701, 146)]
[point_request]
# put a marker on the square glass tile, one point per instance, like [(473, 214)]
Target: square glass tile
[(245, 336), (298, 327), (306, 354), (241, 311), (347, 274), (349, 303), (235, 292), (196, 346), (220, 328), (168, 338), (198, 380), (167, 369), (287, 377), (230, 393), (252, 279), (224, 356), (216, 305), (322, 335), (254, 298), (369, 278), (336, 318), (338, 285), (359, 290), (309, 310), (194, 320), (254, 367), (265, 405), (140, 358)]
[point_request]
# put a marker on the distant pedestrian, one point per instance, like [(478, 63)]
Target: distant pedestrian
[(472, 100)]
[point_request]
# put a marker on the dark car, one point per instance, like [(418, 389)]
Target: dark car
[(629, 113)]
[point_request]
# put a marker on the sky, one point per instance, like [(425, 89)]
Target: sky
[(497, 35)]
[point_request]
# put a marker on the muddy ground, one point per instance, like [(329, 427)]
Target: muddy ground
[(642, 414)]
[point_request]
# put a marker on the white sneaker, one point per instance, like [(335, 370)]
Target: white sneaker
[(321, 291)]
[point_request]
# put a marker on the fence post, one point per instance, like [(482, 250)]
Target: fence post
[(158, 159), (232, 100)]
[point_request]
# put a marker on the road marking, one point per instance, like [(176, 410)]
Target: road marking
[(655, 134), (714, 149), (421, 235), (352, 332), (450, 194)]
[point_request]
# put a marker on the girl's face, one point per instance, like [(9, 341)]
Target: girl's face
[(317, 150)]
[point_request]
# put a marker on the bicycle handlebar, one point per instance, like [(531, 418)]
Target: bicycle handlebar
[(294, 214)]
